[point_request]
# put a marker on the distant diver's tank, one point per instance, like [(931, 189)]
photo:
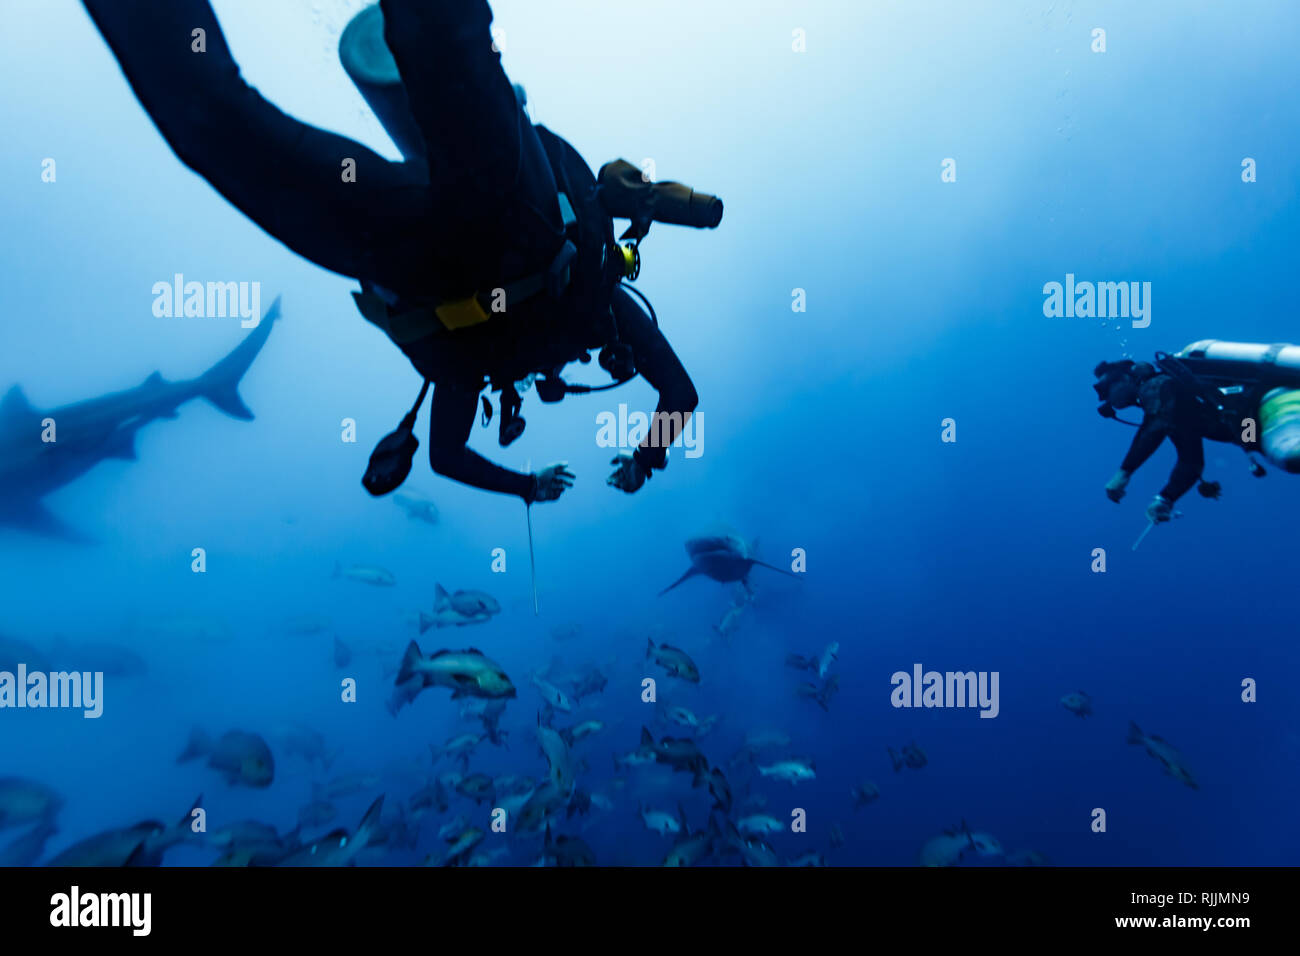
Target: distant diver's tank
[(1279, 410), (370, 65), (1279, 428), (1244, 358)]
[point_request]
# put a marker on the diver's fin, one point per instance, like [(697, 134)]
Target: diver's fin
[(1134, 733), (34, 518), (220, 384), (689, 574)]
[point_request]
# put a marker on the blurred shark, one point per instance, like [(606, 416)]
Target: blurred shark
[(88, 432), (723, 558)]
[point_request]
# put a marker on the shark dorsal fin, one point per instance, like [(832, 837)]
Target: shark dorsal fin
[(15, 404)]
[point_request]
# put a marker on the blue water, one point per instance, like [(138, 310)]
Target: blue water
[(821, 429)]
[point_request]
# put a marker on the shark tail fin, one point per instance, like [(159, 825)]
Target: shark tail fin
[(199, 744), (220, 384), (369, 824), (410, 661)]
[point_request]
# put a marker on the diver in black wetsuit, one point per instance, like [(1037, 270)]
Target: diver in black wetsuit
[(1170, 410), (488, 258)]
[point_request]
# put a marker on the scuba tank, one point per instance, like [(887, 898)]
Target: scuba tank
[(1270, 377)]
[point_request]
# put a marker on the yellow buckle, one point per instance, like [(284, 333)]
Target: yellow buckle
[(631, 260), (461, 313)]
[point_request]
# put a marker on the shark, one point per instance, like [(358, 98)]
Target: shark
[(41, 451), (723, 558)]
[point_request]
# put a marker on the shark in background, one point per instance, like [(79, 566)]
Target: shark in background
[(88, 432)]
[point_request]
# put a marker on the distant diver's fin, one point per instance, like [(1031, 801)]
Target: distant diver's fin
[(689, 574), (34, 518), (220, 384)]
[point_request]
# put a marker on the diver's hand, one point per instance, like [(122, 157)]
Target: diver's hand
[(552, 481), (1160, 510), (1210, 489), (628, 475), (1115, 487)]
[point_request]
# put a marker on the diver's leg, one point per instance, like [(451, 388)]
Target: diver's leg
[(460, 97), (471, 122), (285, 175)]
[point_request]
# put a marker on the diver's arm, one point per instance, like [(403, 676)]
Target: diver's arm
[(659, 366), (1188, 468), (285, 175), (1148, 438), (453, 411)]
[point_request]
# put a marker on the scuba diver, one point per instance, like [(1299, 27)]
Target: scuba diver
[(487, 255), (1244, 394)]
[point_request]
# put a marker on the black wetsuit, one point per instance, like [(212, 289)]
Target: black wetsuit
[(1171, 411), (480, 211)]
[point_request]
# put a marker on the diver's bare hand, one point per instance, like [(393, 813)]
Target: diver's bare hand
[(552, 481), (628, 474), (1115, 488)]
